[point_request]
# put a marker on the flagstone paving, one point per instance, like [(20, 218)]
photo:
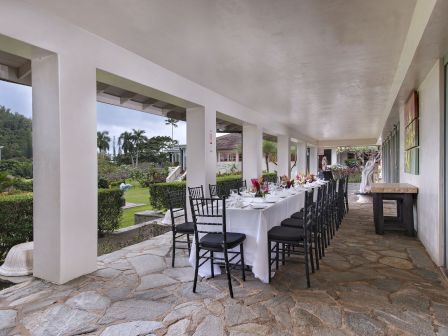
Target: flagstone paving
[(366, 285)]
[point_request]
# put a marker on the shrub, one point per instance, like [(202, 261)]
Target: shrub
[(16, 221), (270, 177), (110, 202), (103, 183), (16, 217), (22, 168), (158, 191), (23, 184)]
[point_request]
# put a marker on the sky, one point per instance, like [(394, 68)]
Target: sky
[(110, 118)]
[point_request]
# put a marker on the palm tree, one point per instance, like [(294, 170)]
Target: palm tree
[(127, 144), (138, 139), (173, 123), (269, 151), (102, 141)]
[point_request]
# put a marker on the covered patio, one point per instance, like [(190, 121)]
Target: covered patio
[(366, 285), (314, 76)]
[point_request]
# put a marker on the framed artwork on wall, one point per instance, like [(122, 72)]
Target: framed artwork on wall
[(411, 161), (411, 108), (411, 135)]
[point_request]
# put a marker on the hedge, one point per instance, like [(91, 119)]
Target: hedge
[(158, 191), (16, 221), (110, 202), (16, 217)]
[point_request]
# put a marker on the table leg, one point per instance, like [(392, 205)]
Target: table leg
[(408, 214), (378, 213)]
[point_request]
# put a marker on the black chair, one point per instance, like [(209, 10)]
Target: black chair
[(297, 221), (340, 200), (209, 221), (346, 195), (178, 211), (223, 190), (295, 237)]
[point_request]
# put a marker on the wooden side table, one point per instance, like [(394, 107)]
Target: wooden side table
[(404, 194)]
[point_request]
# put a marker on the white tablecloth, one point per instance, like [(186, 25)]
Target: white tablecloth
[(255, 224)]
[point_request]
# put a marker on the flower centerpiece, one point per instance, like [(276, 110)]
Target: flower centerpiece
[(287, 182), (261, 188), (302, 179)]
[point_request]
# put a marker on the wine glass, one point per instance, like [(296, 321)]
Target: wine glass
[(243, 191)]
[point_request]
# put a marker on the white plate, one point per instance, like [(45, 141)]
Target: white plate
[(259, 205), (272, 199)]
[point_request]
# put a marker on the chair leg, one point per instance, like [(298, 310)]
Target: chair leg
[(188, 243), (283, 254), (276, 255), (212, 267), (196, 270), (310, 248), (243, 266), (229, 278), (317, 250), (269, 260), (307, 270), (173, 254)]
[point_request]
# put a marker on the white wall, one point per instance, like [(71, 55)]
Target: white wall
[(430, 180)]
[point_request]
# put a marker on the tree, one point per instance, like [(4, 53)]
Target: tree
[(15, 135), (127, 144), (102, 141), (173, 123), (269, 152), (138, 139), (155, 149)]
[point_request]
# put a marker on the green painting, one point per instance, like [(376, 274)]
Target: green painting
[(411, 161)]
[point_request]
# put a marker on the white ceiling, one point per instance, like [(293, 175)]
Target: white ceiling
[(324, 67)]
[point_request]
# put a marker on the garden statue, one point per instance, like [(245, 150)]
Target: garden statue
[(367, 174), (324, 163)]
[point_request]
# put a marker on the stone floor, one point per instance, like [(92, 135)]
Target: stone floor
[(366, 285)]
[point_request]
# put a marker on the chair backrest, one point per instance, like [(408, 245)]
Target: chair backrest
[(223, 190), (321, 198), (346, 185), (177, 201), (209, 216), (308, 212), (341, 186), (196, 192)]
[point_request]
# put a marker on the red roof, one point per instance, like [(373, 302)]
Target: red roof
[(228, 141)]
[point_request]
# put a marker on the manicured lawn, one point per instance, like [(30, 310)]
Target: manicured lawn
[(136, 194)]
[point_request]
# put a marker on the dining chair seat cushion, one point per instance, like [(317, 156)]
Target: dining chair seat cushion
[(216, 240), (298, 214), (292, 222), (185, 228), (285, 233)]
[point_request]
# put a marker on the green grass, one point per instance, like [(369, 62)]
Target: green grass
[(136, 194)]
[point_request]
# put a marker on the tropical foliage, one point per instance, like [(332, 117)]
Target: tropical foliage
[(15, 135), (269, 152), (102, 141)]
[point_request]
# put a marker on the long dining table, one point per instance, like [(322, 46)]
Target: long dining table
[(255, 218)]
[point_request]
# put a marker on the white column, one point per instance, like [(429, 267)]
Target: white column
[(201, 147), (65, 168), (283, 155), (301, 157), (313, 160), (334, 156), (252, 152)]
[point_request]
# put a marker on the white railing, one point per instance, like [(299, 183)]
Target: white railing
[(174, 173)]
